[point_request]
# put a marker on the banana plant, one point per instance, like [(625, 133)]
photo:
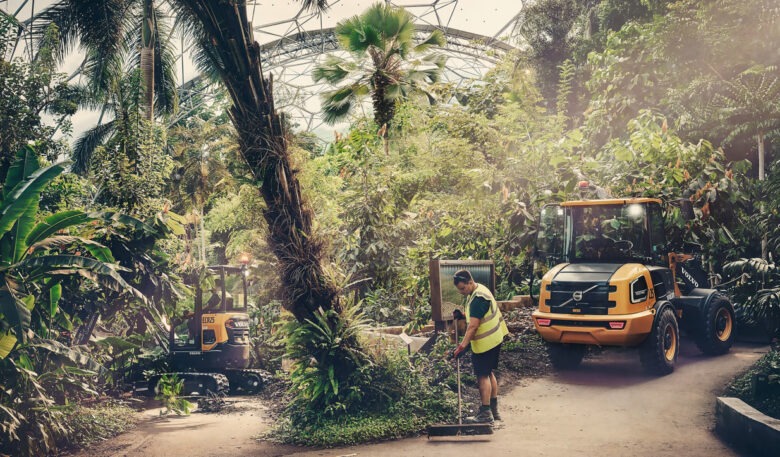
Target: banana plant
[(35, 255)]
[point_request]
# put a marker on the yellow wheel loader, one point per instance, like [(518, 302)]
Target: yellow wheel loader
[(609, 280)]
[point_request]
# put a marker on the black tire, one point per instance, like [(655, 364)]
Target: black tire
[(659, 351), (715, 330), (565, 356)]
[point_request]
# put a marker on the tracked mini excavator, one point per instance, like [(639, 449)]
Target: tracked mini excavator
[(609, 279), (210, 347)]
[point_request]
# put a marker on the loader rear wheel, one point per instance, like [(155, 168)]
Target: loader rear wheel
[(565, 356), (659, 351), (715, 330)]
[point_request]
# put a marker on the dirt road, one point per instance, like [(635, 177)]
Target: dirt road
[(607, 407)]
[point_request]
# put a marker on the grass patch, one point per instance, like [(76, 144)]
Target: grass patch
[(355, 429), (768, 400), (91, 424)]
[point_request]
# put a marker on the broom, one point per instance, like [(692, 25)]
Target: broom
[(459, 429)]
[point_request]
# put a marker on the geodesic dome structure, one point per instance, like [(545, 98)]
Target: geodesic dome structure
[(295, 40)]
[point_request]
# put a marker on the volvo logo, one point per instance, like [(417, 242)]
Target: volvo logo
[(577, 296), (688, 277)]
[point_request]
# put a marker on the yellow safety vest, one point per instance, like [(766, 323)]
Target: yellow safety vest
[(492, 328)]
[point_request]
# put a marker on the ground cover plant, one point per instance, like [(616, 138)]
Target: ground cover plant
[(759, 386)]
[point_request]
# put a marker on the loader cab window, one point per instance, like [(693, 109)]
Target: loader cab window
[(658, 246), (609, 233), (550, 239)]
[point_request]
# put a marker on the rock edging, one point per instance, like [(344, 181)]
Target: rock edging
[(747, 428)]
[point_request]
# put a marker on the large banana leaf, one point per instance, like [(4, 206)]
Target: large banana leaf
[(97, 250), (21, 229), (55, 223), (101, 273), (112, 217), (55, 293), (15, 312), (7, 343), (26, 194), (24, 164)]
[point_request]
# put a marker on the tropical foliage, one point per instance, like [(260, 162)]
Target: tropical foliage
[(674, 100)]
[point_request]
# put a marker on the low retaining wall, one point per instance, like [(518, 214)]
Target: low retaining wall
[(747, 428)]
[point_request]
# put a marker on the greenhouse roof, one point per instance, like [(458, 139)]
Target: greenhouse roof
[(294, 40)]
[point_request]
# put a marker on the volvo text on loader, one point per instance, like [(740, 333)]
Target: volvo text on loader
[(612, 282)]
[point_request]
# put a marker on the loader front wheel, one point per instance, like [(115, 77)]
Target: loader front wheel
[(659, 351), (715, 330), (565, 356)]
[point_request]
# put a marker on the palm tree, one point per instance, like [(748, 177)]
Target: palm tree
[(114, 32), (202, 147), (226, 47), (748, 107), (381, 43)]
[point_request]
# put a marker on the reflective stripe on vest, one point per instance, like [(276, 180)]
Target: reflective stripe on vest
[(492, 328)]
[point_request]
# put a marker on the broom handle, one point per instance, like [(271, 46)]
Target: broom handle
[(457, 370)]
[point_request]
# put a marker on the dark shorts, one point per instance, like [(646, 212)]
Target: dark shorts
[(485, 362)]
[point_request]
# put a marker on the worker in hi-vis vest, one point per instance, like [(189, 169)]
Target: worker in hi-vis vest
[(485, 333)]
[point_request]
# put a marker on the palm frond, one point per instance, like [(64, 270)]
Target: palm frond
[(319, 6), (63, 14), (336, 104), (333, 70), (165, 84), (436, 38), (85, 146)]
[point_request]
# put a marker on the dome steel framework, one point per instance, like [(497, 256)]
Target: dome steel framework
[(292, 47)]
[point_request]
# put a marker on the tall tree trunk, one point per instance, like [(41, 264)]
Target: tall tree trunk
[(761, 177), (264, 147), (384, 109), (148, 38), (202, 237)]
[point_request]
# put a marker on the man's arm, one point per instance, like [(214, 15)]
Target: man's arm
[(471, 330)]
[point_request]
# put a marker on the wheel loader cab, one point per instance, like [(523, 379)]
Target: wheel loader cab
[(608, 280), (606, 253)]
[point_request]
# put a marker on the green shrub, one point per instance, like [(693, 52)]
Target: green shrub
[(766, 400), (169, 390), (416, 392)]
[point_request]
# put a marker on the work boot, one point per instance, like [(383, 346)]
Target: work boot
[(494, 409), (484, 416)]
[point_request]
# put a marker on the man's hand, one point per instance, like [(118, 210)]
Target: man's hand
[(458, 315), (458, 351)]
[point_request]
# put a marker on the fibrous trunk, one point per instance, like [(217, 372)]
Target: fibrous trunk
[(264, 147), (384, 110)]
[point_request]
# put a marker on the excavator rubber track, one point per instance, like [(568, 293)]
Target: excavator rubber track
[(195, 384), (247, 381)]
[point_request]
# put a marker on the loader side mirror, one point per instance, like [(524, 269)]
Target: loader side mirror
[(686, 209)]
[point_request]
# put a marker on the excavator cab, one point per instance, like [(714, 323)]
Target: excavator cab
[(210, 347), (215, 336)]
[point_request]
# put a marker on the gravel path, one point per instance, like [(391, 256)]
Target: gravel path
[(607, 407)]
